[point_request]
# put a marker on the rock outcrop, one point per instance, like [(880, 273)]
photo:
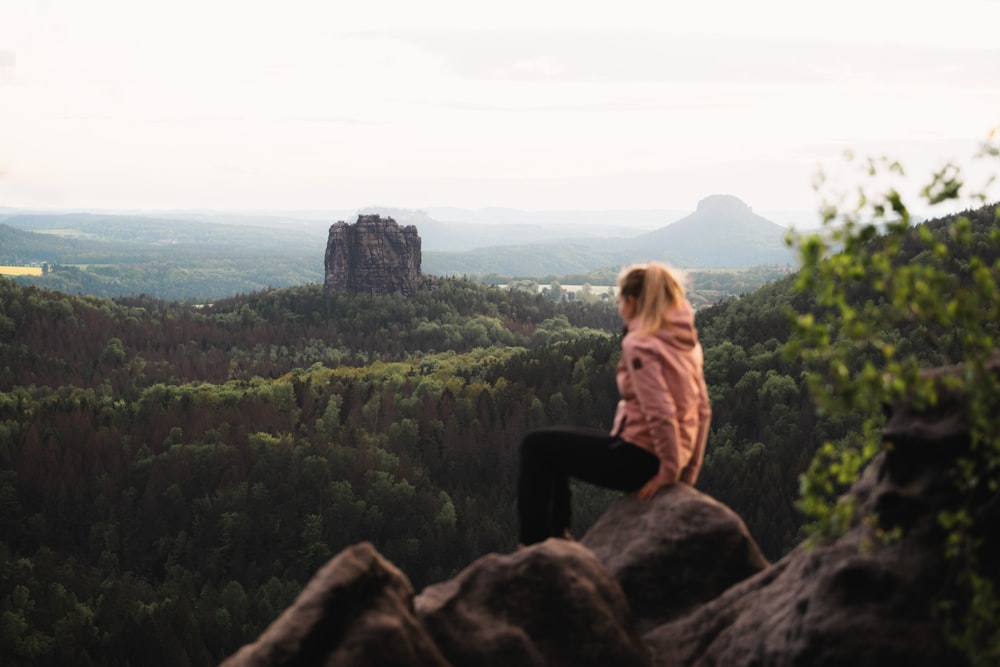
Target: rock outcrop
[(683, 542), (373, 256), (674, 581), (555, 603), (550, 604), (860, 600), (357, 611)]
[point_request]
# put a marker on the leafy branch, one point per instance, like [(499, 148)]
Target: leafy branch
[(878, 322)]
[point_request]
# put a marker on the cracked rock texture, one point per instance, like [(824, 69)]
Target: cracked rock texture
[(373, 256)]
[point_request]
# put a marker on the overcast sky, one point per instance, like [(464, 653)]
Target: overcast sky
[(340, 104)]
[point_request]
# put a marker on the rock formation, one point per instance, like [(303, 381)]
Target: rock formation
[(684, 542), (356, 611), (860, 600), (674, 581), (374, 256), (551, 604)]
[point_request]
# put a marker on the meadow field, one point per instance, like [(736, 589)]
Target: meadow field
[(20, 270)]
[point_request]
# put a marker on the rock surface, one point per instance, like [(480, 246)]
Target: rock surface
[(860, 600), (373, 256), (682, 541), (832, 605), (549, 604), (356, 611)]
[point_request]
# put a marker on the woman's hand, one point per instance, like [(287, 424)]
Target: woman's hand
[(650, 488)]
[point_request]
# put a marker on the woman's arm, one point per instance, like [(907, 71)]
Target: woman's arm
[(648, 369)]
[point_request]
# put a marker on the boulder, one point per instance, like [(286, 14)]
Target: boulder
[(552, 603), (862, 599), (356, 611), (674, 552), (826, 606)]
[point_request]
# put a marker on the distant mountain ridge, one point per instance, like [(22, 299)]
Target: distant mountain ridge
[(460, 230), (88, 237), (723, 232)]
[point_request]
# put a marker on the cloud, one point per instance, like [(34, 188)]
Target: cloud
[(632, 56), (336, 120), (597, 106), (8, 63)]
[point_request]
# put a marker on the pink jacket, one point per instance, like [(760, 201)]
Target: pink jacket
[(664, 404)]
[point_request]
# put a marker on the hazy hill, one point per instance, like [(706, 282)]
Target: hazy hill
[(205, 255), (722, 232), (19, 246), (457, 236), (166, 237), (114, 255), (461, 230)]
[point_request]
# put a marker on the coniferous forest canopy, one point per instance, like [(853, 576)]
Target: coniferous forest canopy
[(171, 476)]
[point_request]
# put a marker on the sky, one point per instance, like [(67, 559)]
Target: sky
[(534, 105)]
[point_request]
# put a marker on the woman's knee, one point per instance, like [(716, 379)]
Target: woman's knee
[(532, 444)]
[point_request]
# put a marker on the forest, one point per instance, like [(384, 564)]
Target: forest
[(172, 475)]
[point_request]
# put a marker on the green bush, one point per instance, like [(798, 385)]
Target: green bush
[(879, 322)]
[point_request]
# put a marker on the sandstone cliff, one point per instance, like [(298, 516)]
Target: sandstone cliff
[(374, 256), (675, 581)]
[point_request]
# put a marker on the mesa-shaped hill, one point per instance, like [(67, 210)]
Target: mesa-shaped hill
[(722, 232)]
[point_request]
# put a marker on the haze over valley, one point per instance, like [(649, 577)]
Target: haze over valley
[(117, 255), (564, 106)]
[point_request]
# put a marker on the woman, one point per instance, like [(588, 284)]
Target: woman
[(660, 425)]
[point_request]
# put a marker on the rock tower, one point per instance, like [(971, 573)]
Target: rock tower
[(375, 256)]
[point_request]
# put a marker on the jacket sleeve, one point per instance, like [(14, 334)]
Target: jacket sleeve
[(648, 374)]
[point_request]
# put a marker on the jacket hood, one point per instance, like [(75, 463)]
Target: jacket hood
[(679, 331)]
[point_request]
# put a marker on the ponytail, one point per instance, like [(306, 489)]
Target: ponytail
[(656, 288)]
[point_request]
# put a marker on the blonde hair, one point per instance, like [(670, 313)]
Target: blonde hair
[(656, 288)]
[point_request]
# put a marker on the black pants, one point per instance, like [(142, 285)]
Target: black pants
[(549, 457)]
